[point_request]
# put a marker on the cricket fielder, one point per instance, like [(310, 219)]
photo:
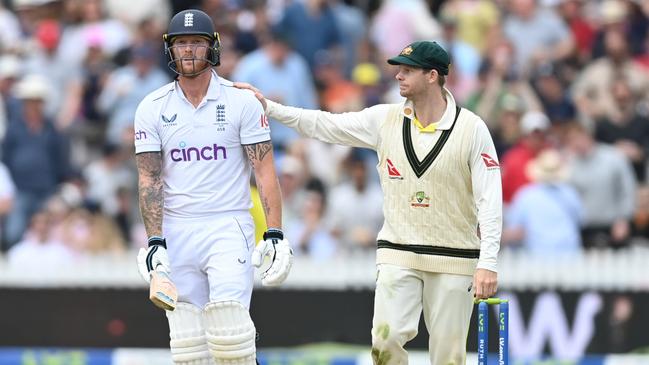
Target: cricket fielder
[(442, 204), (196, 140)]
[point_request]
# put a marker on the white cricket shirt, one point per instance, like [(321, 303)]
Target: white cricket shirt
[(204, 168)]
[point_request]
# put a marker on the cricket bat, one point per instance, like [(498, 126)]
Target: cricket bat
[(162, 291)]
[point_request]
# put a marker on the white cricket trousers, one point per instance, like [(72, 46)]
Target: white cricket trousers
[(401, 294), (210, 258)]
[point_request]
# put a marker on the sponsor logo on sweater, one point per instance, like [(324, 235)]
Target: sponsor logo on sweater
[(393, 173), (489, 161), (419, 200)]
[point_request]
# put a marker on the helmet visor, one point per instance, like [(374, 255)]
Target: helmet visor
[(189, 58)]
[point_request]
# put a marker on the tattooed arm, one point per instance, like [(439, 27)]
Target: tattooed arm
[(261, 158), (149, 166)]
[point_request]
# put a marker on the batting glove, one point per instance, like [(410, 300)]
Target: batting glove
[(153, 258), (277, 249)]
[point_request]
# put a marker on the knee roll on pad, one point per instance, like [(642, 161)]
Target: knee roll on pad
[(187, 333), (230, 333)]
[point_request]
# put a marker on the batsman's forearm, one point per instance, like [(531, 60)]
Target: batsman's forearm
[(151, 206), (151, 192), (271, 199), (260, 156)]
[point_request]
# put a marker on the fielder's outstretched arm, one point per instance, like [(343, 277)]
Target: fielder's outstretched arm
[(355, 129), (149, 167), (260, 156)]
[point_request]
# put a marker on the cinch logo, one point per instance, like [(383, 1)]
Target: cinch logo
[(139, 135), (206, 153)]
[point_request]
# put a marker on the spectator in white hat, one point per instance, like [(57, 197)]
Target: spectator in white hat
[(35, 154)]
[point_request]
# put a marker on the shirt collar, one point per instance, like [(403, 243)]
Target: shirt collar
[(213, 89), (447, 118)]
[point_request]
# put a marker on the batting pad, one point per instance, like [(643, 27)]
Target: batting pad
[(230, 333), (188, 343)]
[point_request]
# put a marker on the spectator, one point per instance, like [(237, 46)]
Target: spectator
[(87, 232), (292, 176), (106, 176), (352, 24), (338, 94), (545, 215), (496, 79), (48, 60), (534, 130), (312, 27), (356, 213), (37, 252), (310, 236), (399, 22), (279, 71), (592, 90), (553, 95), (466, 59), (538, 35), (630, 133), (477, 21), (35, 154), (368, 77), (612, 15), (126, 87), (95, 27), (320, 160), (506, 130), (583, 31), (604, 179), (135, 12)]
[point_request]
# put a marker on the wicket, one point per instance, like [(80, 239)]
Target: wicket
[(483, 330)]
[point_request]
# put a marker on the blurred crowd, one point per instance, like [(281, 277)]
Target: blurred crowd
[(563, 86)]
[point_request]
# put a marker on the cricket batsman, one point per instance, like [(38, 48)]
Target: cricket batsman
[(197, 140)]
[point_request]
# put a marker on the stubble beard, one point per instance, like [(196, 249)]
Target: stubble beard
[(198, 67)]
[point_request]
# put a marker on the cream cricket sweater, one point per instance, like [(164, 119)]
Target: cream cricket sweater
[(437, 186)]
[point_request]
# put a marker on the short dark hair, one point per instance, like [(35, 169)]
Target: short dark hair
[(441, 79)]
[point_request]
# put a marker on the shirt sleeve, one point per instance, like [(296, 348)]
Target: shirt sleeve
[(146, 137), (487, 192), (254, 124), (356, 129)]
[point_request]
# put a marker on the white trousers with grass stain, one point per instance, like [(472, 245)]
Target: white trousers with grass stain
[(401, 295)]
